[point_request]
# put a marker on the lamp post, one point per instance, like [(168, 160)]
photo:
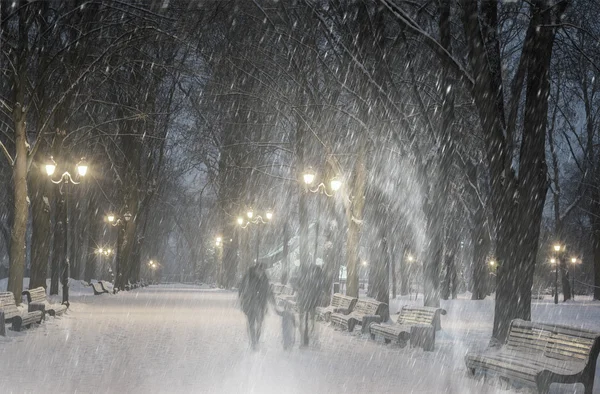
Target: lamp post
[(556, 261), (335, 184), (251, 218), (102, 252), (153, 265), (574, 262), (66, 178), (120, 223), (219, 252)]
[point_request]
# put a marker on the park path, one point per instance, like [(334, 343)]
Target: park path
[(181, 339)]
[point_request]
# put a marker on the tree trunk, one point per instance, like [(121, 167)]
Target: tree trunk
[(95, 225), (16, 268), (518, 245), (595, 219), (41, 228), (355, 216), (381, 280), (481, 245)]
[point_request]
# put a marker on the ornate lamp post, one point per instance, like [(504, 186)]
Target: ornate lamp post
[(66, 179), (335, 184), (120, 223), (100, 252), (258, 220)]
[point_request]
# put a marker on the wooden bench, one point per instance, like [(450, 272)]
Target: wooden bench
[(340, 303), (10, 313), (36, 300), (363, 313), (418, 324), (539, 354), (98, 288)]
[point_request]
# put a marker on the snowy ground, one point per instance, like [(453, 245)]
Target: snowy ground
[(180, 339)]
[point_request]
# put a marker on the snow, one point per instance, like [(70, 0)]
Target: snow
[(182, 338)]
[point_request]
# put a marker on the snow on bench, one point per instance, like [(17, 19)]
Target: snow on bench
[(541, 354), (36, 299), (364, 313), (340, 303), (10, 313), (418, 324)]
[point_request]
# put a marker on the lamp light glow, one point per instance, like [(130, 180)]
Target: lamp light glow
[(335, 184), (309, 176), (82, 167)]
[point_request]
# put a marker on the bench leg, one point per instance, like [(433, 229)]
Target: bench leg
[(387, 340), (17, 323), (588, 385), (373, 336), (543, 384), (2, 324), (351, 324)]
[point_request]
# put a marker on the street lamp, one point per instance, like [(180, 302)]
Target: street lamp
[(120, 223), (335, 184), (574, 262), (255, 220), (66, 178), (556, 263)]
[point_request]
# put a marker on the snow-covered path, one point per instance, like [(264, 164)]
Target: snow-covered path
[(182, 339)]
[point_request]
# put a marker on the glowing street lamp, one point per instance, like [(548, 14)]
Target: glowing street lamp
[(492, 263), (66, 178), (255, 219), (574, 262), (335, 184), (556, 264), (309, 176)]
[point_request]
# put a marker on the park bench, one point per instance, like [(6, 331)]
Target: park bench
[(418, 324), (537, 354), (103, 287), (36, 300), (340, 303), (98, 288), (364, 313), (10, 313)]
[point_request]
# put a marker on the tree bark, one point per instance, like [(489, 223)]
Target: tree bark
[(355, 217), (16, 269), (41, 228)]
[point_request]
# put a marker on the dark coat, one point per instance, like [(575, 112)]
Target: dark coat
[(254, 292)]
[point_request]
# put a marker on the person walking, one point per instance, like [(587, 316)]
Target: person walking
[(254, 293)]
